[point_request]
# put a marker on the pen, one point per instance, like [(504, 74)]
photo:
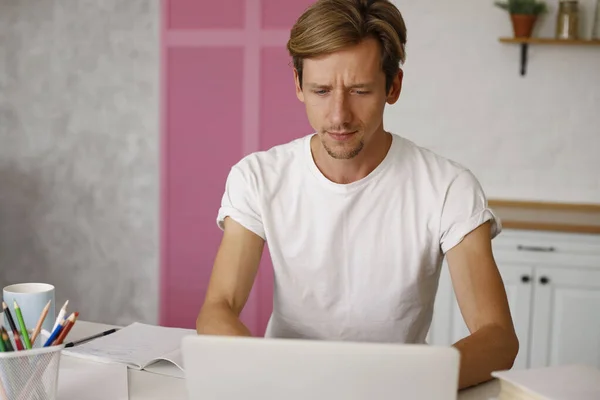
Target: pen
[(87, 339)]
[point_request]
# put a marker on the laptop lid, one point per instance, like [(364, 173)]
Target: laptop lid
[(235, 368)]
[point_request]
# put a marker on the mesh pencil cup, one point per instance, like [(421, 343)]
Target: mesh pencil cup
[(30, 374)]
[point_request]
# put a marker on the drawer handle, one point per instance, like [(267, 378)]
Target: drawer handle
[(536, 248), (544, 280), (525, 278)]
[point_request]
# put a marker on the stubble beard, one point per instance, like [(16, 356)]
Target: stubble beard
[(344, 154)]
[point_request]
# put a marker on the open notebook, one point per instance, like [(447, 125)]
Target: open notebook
[(140, 346), (568, 382)]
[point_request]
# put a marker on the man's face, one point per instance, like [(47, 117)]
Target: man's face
[(344, 94)]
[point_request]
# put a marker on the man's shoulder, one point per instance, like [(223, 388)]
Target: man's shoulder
[(274, 158), (429, 161)]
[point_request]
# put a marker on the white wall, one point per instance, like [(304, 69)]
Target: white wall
[(535, 137), (79, 153)]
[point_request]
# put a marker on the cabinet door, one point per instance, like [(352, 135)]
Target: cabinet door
[(566, 317), (518, 280)]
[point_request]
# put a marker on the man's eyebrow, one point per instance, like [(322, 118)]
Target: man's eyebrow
[(365, 85), (313, 85)]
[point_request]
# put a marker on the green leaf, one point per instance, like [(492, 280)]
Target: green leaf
[(529, 7)]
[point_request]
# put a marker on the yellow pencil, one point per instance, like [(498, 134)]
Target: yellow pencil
[(38, 327)]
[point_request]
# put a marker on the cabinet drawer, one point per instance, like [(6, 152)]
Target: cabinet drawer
[(542, 242)]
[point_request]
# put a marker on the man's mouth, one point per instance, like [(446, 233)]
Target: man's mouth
[(341, 136)]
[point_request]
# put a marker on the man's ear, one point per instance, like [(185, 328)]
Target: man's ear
[(299, 92), (396, 88)]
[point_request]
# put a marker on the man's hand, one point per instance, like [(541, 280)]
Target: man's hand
[(492, 344)]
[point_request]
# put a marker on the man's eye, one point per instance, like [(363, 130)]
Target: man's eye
[(362, 92), (320, 92)]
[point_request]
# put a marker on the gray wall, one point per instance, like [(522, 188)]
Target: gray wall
[(79, 121)]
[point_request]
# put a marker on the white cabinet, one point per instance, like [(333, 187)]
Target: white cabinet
[(552, 282), (566, 323)]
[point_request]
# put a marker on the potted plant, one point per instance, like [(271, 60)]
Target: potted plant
[(523, 14)]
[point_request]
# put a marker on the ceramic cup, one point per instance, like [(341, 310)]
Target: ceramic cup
[(31, 298)]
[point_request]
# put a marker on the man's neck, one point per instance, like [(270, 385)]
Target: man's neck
[(352, 170)]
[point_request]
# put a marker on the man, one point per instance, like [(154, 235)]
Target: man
[(358, 219)]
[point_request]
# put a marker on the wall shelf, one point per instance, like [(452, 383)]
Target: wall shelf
[(525, 42)]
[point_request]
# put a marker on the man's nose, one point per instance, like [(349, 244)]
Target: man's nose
[(341, 113)]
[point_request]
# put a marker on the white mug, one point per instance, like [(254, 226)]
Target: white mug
[(31, 298)]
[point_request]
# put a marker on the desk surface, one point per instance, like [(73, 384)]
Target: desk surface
[(148, 386)]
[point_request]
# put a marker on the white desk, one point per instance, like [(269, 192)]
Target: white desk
[(148, 386)]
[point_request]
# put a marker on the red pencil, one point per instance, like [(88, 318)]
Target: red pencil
[(65, 331)]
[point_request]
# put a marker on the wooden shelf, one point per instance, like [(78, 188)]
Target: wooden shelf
[(525, 42), (546, 216), (552, 41)]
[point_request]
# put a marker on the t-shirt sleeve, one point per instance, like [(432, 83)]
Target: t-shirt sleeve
[(465, 208), (240, 202)]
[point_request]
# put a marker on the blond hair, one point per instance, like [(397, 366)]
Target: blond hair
[(330, 25)]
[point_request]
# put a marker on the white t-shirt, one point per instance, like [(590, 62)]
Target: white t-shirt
[(358, 261)]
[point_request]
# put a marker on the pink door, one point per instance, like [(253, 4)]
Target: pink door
[(227, 90)]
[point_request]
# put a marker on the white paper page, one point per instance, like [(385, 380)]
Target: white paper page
[(87, 380), (171, 364), (136, 345), (166, 368)]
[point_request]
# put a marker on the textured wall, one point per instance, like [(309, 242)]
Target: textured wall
[(533, 137), (79, 152)]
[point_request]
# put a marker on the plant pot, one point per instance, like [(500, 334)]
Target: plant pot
[(523, 24)]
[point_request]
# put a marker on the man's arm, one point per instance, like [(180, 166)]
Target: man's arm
[(492, 344), (233, 274)]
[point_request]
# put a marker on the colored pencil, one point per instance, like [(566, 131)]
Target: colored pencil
[(6, 340), (87, 339), (55, 334), (13, 327), (38, 327), (65, 331), (24, 332), (2, 345), (61, 315)]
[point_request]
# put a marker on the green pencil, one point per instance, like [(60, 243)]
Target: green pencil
[(2, 345), (6, 340), (22, 325)]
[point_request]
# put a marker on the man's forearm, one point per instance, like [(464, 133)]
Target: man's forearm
[(489, 349), (219, 319)]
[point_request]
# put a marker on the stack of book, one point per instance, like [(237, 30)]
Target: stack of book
[(565, 382)]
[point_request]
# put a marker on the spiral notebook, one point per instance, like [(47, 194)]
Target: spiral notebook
[(140, 346)]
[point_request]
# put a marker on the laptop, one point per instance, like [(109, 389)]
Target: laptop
[(235, 368)]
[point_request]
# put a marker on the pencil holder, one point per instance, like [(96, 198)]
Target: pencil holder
[(30, 374)]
